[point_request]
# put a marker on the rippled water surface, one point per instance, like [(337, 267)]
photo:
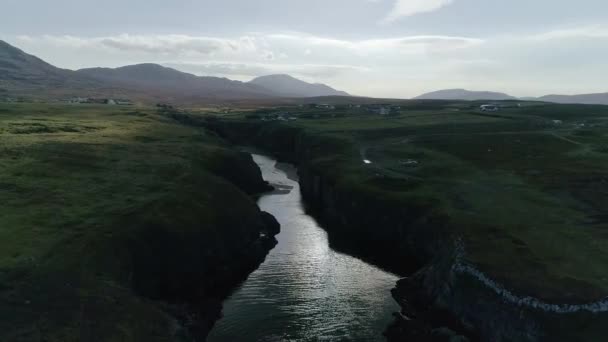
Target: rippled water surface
[(305, 291)]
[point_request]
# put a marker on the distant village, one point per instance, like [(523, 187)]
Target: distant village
[(79, 100), (106, 101), (313, 110), (380, 109)]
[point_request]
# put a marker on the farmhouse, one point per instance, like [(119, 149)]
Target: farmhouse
[(489, 108), (79, 100), (123, 102)]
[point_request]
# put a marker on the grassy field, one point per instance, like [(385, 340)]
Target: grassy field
[(525, 187), (86, 193)]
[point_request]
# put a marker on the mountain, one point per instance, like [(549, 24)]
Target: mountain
[(23, 74), (599, 98), (288, 86), (463, 94), (157, 79)]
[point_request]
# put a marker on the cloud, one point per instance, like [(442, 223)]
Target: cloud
[(592, 32), (383, 46), (154, 44), (405, 8), (255, 47), (172, 44)]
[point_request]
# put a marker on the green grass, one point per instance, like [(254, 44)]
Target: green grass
[(79, 185), (527, 194)]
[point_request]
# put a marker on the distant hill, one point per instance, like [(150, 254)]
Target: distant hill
[(23, 74), (157, 79), (288, 86), (599, 98), (466, 95), (463, 94)]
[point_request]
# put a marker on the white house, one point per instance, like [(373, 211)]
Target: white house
[(489, 108), (79, 100), (123, 102)]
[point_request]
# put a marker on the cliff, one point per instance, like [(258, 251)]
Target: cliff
[(447, 295)]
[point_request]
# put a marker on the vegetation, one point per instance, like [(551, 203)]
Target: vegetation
[(525, 187), (107, 210)]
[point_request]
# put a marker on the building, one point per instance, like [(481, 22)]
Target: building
[(489, 108), (107, 101), (123, 102), (79, 100)]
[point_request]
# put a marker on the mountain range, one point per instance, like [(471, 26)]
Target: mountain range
[(468, 95), (22, 74), (288, 86), (157, 79), (25, 75), (598, 98), (463, 94)]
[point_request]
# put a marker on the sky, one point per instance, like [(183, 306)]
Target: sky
[(380, 48)]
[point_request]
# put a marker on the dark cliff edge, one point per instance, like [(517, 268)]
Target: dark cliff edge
[(160, 276), (443, 298), (192, 270)]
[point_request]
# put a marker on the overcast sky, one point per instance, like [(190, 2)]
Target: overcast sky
[(384, 48)]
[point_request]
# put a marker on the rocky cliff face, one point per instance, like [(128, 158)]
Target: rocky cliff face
[(189, 255), (444, 299), (194, 264), (194, 271), (383, 230)]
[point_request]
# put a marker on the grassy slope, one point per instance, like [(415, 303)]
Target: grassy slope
[(79, 185), (528, 195)]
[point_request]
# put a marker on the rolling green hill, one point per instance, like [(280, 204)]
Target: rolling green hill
[(120, 224)]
